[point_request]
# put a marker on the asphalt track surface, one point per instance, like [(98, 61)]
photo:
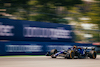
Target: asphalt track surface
[(44, 61)]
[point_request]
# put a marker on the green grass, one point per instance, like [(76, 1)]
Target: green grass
[(98, 54)]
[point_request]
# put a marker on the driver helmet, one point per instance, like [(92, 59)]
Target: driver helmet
[(74, 46)]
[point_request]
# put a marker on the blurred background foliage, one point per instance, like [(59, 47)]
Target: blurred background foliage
[(83, 14), (39, 10)]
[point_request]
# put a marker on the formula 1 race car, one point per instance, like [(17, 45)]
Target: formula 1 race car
[(71, 53)]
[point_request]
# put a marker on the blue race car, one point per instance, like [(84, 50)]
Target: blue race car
[(74, 52)]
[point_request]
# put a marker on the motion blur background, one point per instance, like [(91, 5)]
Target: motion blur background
[(84, 15)]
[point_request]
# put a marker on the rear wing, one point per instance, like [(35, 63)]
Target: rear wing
[(92, 48)]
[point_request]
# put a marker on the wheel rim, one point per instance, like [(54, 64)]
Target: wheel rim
[(72, 55), (94, 55)]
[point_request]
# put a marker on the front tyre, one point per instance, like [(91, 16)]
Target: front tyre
[(53, 56), (53, 52)]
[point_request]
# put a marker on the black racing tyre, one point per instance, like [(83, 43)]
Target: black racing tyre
[(53, 51), (92, 54), (70, 54)]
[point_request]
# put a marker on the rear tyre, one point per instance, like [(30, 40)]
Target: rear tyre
[(53, 52), (70, 54), (92, 54)]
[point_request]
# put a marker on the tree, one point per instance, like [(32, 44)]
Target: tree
[(39, 10), (94, 14), (47, 9), (12, 6)]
